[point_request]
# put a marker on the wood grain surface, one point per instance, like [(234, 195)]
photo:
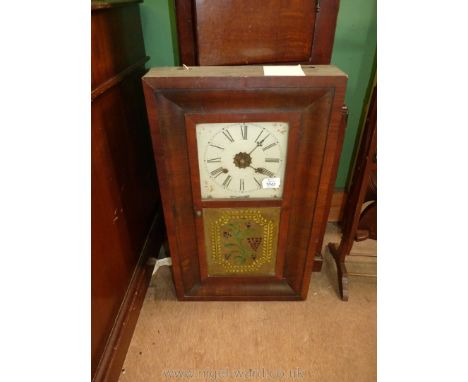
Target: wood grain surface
[(311, 104), (124, 192), (237, 32)]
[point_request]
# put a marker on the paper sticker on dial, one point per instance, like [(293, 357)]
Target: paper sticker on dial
[(271, 183), (235, 158)]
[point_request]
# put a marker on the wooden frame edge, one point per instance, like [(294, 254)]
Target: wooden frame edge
[(113, 356), (337, 205), (119, 77), (324, 31), (184, 14)]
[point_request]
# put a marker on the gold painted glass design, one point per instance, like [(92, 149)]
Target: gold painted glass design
[(241, 241)]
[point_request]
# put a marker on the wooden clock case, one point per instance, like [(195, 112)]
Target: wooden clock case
[(238, 32), (177, 99)]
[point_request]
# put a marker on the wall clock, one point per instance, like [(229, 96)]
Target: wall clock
[(246, 164)]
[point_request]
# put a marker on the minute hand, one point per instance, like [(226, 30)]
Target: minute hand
[(259, 144)]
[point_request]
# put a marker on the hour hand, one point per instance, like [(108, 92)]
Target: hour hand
[(263, 171)]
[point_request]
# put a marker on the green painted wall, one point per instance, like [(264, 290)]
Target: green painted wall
[(159, 32), (354, 52)]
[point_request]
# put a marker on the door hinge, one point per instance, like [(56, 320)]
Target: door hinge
[(317, 6)]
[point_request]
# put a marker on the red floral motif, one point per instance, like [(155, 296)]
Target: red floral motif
[(254, 242)]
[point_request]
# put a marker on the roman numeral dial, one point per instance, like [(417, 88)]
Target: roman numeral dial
[(234, 158), (227, 181), (228, 136), (244, 129), (270, 146)]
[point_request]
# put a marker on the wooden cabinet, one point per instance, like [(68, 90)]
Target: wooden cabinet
[(247, 164), (125, 196), (238, 32)]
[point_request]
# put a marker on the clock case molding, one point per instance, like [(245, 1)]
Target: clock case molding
[(177, 99)]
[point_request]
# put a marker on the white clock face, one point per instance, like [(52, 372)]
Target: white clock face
[(242, 160)]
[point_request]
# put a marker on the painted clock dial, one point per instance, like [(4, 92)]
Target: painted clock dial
[(242, 160)]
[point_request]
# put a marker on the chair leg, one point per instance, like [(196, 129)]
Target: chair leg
[(342, 273)]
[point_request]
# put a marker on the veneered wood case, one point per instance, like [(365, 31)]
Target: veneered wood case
[(222, 138), (237, 32)]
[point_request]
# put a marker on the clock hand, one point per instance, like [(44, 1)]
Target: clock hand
[(260, 143), (263, 171)]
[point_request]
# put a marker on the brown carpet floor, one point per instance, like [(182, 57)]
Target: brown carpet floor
[(321, 339)]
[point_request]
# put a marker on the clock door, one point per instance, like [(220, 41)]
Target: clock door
[(241, 185)]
